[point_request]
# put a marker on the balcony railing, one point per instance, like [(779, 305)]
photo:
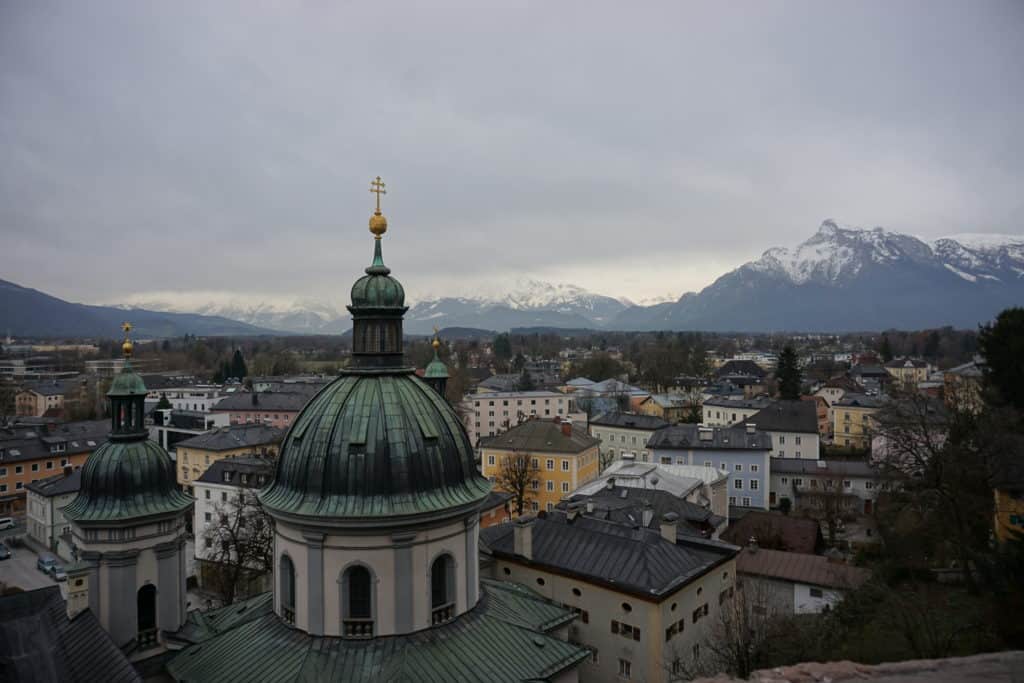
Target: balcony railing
[(440, 615), (147, 638), (357, 628)]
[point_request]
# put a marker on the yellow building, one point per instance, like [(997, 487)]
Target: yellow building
[(852, 422), (562, 457), (195, 455), (1008, 482), (908, 371)]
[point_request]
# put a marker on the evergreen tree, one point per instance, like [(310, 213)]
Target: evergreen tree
[(164, 404), (885, 350), (788, 375), (502, 347), (1002, 345), (526, 382), (238, 368)]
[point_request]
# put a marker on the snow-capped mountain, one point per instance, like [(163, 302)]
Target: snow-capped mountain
[(847, 278), (299, 316)]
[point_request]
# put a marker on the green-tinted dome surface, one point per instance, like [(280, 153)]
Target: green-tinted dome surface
[(436, 369), (127, 383), (375, 445), (378, 291), (127, 480)]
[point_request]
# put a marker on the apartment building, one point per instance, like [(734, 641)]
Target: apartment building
[(563, 457), (852, 424), (196, 455), (491, 413), (725, 412), (624, 435)]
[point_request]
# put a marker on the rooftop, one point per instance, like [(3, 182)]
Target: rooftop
[(266, 401), (637, 561), (58, 484), (794, 534), (800, 568), (744, 403), (696, 437), (541, 436), (825, 467), (629, 421), (505, 638), (234, 437), (39, 643), (787, 416), (859, 401), (628, 505), (239, 465)]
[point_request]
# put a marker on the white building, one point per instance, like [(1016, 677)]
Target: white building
[(623, 435), (493, 413), (793, 427), (725, 412), (806, 482), (45, 521), (794, 583)]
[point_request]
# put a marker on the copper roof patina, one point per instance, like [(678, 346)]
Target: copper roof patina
[(506, 637)]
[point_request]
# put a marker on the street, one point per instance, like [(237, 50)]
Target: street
[(21, 571)]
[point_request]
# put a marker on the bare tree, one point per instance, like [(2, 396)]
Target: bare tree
[(737, 643), (239, 546), (516, 475)]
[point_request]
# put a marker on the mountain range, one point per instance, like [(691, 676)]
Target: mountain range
[(842, 278)]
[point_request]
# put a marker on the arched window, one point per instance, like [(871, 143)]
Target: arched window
[(146, 605), (357, 602), (287, 589), (442, 590)]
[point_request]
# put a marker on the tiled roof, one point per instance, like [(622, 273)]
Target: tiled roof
[(632, 560), (266, 401), (787, 416), (39, 643), (58, 484), (542, 436), (629, 421), (626, 505), (795, 534), (800, 568), (686, 437), (859, 401), (233, 437), (823, 468), (504, 639)]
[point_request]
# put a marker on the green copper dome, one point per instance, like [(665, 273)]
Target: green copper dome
[(377, 289), (127, 480), (127, 383), (436, 369), (375, 444)]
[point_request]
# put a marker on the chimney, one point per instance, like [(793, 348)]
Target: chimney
[(522, 536), (648, 514), (751, 428), (590, 506), (68, 469), (567, 428), (610, 484), (669, 520)]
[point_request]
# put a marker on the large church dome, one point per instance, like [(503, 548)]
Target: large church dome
[(378, 442)]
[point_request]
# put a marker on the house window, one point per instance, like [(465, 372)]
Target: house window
[(754, 468), (737, 483), (869, 484), (565, 487), (746, 502), (754, 484), (357, 602), (782, 438), (207, 492), (550, 485), (35, 467), (798, 441), (785, 480), (732, 500), (816, 593), (739, 468), (208, 517), (565, 465), (798, 482), (847, 484), (490, 460), (550, 465), (535, 463), (442, 590), (625, 668)]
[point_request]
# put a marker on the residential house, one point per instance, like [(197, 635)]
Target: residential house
[(490, 414), (908, 371), (725, 412), (852, 423), (624, 435), (786, 583), (223, 493), (267, 408), (196, 455), (837, 387), (646, 598), (563, 457), (1008, 493), (674, 408), (45, 521), (824, 415), (495, 509), (874, 378), (791, 533), (41, 398), (705, 486), (30, 453), (793, 427), (851, 485), (743, 451), (964, 383)]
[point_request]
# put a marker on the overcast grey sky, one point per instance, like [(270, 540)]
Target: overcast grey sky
[(631, 148)]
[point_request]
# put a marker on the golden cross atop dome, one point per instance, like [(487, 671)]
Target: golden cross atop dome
[(127, 346), (127, 327), (377, 187), (378, 224)]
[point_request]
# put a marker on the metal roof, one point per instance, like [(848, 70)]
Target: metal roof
[(503, 639), (626, 505), (541, 436), (264, 401), (623, 557), (687, 437), (58, 484), (375, 445), (823, 468), (800, 568), (629, 421), (39, 643), (787, 416), (234, 437)]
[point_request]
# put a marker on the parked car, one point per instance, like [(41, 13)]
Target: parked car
[(46, 563), (5, 552), (6, 523), (58, 573)]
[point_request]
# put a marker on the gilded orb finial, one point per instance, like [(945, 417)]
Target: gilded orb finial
[(378, 223), (437, 342), (126, 347)]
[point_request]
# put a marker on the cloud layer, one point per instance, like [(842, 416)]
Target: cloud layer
[(630, 149)]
